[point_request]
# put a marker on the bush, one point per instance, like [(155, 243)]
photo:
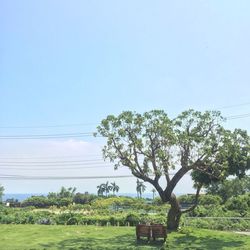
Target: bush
[(72, 221), (204, 200), (63, 218), (239, 204), (132, 219), (36, 201), (208, 199), (86, 198), (45, 221)]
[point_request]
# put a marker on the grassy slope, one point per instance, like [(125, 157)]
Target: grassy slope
[(91, 237)]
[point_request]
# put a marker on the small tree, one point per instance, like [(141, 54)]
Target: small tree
[(140, 188), (153, 192), (151, 145), (114, 187), (1, 192), (63, 193), (100, 189), (107, 188)]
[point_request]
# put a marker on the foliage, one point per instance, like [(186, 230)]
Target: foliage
[(230, 187), (106, 187), (37, 201), (123, 210), (63, 193), (117, 202), (205, 199), (140, 188), (240, 204), (224, 224), (85, 198), (1, 192), (114, 188), (151, 144), (13, 202)]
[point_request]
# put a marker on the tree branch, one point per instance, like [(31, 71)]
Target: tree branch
[(157, 176), (167, 176), (195, 200), (173, 182)]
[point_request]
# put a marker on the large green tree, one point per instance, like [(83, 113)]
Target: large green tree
[(1, 192), (153, 146), (231, 187)]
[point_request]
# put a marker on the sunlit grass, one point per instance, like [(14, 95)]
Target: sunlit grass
[(90, 237)]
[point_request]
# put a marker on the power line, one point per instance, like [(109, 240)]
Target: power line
[(50, 126), (53, 162), (9, 177), (96, 123), (85, 134), (4, 156), (47, 136), (21, 177), (233, 117), (53, 165), (235, 105), (61, 168)]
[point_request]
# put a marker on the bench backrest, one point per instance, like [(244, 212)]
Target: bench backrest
[(158, 231), (143, 230)]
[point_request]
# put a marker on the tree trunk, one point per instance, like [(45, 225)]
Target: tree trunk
[(174, 214)]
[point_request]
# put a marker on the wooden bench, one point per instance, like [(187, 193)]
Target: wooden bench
[(143, 230), (158, 231), (154, 231)]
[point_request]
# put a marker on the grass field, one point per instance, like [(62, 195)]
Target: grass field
[(21, 237)]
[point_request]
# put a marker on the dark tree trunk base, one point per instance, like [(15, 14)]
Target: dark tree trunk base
[(174, 214)]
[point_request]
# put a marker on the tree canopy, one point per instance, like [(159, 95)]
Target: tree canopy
[(1, 192), (153, 146), (230, 187)]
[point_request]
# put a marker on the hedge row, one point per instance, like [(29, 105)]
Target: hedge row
[(224, 224), (68, 218)]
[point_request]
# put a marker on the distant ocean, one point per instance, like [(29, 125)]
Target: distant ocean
[(21, 197)]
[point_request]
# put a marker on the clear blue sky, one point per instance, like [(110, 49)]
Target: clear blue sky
[(64, 62)]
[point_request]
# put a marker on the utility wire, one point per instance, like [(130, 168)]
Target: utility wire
[(235, 105), (51, 126), (95, 124), (7, 157), (86, 134), (53, 165), (233, 117), (21, 177), (47, 136), (64, 168), (53, 162)]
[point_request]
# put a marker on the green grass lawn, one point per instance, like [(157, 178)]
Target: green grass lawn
[(90, 237)]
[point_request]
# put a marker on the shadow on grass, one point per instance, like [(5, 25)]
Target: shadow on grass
[(125, 241), (204, 243)]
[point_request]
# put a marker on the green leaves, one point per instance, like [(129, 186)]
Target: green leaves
[(151, 143), (133, 138)]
